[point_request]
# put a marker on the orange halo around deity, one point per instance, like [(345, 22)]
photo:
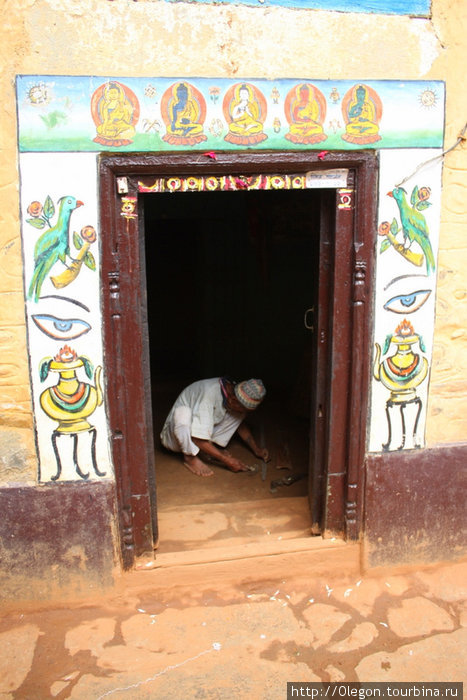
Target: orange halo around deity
[(115, 112), (305, 110), (245, 110), (362, 110), (183, 110)]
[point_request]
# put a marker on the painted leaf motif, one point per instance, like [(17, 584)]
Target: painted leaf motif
[(37, 223), (49, 208), (422, 343), (44, 368), (387, 343), (88, 366), (422, 205), (89, 260), (77, 240), (414, 196), (385, 245), (394, 227), (53, 118)]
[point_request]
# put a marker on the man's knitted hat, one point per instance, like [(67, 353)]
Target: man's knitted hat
[(250, 393)]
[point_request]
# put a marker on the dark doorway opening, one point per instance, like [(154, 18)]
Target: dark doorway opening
[(231, 279)]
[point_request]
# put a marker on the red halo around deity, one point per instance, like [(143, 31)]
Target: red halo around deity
[(321, 100), (260, 98), (378, 107), (167, 97), (305, 139), (96, 101), (375, 98), (244, 139)]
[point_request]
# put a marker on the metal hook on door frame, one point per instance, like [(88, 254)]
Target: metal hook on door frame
[(308, 326)]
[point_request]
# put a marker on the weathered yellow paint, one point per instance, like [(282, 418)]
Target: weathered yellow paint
[(123, 37)]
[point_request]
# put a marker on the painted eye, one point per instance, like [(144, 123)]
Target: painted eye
[(61, 328), (407, 303)]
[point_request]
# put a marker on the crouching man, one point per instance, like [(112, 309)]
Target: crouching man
[(204, 418)]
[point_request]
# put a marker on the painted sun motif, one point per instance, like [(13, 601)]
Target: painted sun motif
[(428, 98), (39, 94)]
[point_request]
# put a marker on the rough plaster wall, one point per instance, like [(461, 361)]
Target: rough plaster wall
[(447, 415), (149, 37)]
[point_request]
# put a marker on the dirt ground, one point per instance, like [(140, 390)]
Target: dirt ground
[(241, 629)]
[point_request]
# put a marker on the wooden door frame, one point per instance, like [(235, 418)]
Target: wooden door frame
[(347, 334)]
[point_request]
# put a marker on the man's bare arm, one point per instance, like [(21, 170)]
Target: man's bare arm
[(247, 436), (212, 450)]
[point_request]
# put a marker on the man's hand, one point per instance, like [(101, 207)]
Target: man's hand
[(263, 454), (247, 436), (235, 465)]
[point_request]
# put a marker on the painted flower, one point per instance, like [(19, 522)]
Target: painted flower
[(66, 354), (35, 209), (211, 183), (173, 183), (192, 183), (384, 228), (214, 93), (88, 233), (298, 182), (424, 193), (277, 182)]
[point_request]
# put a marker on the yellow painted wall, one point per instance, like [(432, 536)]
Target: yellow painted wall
[(123, 37)]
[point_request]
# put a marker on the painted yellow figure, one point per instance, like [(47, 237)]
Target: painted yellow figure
[(361, 117), (116, 115), (305, 126), (245, 127), (183, 112)]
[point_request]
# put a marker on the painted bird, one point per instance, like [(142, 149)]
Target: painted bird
[(53, 245), (414, 227)]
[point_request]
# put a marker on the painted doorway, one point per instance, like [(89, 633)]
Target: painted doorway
[(334, 274)]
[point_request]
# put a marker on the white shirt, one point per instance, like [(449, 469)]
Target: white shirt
[(210, 420)]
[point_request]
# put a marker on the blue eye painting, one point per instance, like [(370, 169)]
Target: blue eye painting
[(407, 303), (61, 328)]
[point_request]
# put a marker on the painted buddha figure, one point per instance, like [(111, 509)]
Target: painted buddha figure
[(184, 113), (116, 117), (361, 118), (245, 126), (305, 117)]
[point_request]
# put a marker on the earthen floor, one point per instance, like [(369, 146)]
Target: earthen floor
[(240, 629)]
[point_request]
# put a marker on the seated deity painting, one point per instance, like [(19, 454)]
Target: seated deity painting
[(245, 111), (183, 110), (305, 110), (362, 111), (115, 111)]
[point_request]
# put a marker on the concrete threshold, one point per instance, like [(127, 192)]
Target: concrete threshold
[(306, 559), (248, 550)]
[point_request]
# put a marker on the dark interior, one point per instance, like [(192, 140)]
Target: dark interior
[(230, 276)]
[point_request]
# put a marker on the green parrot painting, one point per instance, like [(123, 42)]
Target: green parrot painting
[(413, 222), (53, 245)]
